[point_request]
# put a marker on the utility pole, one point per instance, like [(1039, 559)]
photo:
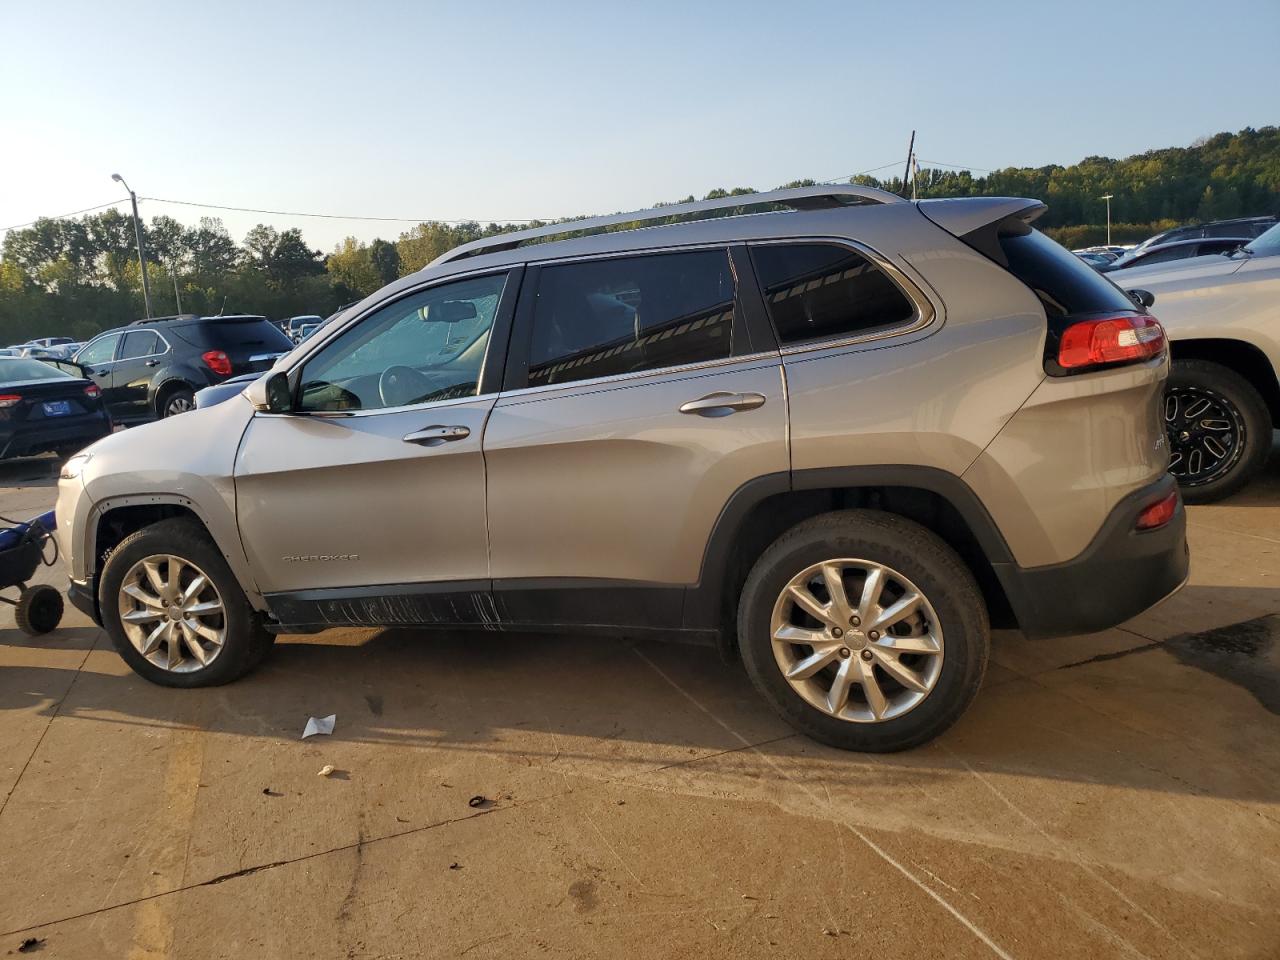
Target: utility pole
[(911, 149), (176, 296), (142, 250), (1108, 199)]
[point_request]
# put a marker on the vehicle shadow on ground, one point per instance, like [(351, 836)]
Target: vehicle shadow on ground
[(540, 698)]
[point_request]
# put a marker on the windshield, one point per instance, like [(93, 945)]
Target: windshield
[(20, 370), (1267, 245)]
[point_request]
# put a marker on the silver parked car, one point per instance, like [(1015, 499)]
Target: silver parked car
[(838, 438), (1222, 315)]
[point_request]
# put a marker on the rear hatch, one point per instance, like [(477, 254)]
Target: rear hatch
[(250, 344)]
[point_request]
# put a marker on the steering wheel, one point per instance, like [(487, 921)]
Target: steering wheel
[(400, 385)]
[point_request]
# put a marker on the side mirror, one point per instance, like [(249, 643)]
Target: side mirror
[(271, 394), (1143, 298)]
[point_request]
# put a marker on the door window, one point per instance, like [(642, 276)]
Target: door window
[(601, 318), (817, 291), (139, 343), (425, 347), (100, 350)]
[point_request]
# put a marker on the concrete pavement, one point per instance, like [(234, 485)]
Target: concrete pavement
[(1116, 795)]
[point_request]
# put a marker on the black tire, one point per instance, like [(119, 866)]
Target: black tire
[(39, 610), (1249, 438), (246, 642), (175, 400), (912, 551)]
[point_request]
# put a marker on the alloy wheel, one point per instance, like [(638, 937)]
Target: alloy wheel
[(1206, 434), (178, 404), (857, 640), (172, 613)]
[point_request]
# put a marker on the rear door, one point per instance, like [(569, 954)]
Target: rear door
[(640, 395), (136, 362)]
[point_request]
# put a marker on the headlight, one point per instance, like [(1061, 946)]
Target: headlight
[(71, 469)]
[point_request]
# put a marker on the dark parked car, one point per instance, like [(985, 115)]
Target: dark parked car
[(1177, 250), (45, 408), (153, 368), (1247, 227)]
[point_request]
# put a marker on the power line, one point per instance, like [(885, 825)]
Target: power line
[(957, 166), (332, 216), (61, 216), (850, 176)]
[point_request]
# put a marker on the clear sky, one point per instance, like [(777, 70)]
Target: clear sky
[(545, 109)]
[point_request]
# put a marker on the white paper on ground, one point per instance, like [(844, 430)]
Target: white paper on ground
[(322, 725)]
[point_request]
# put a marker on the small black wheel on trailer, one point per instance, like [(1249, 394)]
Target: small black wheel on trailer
[(39, 610)]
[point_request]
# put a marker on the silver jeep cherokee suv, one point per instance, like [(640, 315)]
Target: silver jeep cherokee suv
[(840, 435)]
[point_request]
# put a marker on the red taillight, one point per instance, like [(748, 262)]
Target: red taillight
[(1092, 343), (92, 391), (218, 362), (1159, 513), (9, 400)]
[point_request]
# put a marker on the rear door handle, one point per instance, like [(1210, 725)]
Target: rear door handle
[(722, 403), (153, 363), (436, 434)]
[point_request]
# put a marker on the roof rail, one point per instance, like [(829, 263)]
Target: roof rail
[(176, 316), (796, 198)]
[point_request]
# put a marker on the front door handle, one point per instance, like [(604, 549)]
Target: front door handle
[(722, 403), (436, 434), (153, 363)]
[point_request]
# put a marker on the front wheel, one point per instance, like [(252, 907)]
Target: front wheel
[(864, 631), (175, 611), (1219, 430)]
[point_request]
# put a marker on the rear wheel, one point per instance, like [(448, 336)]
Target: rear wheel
[(174, 610), (1219, 430), (176, 400), (864, 631)]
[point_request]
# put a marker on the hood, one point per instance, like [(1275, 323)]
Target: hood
[(1207, 269)]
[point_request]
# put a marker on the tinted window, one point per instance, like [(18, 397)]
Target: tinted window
[(100, 351), (140, 343), (425, 347), (253, 334), (815, 291), (1161, 256), (605, 317), (1064, 284)]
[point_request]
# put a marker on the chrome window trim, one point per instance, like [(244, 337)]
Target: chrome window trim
[(640, 375), (377, 411), (168, 347), (924, 310)]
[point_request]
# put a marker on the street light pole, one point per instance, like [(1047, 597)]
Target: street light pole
[(1108, 199), (142, 250)]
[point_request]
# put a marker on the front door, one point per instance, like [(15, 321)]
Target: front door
[(97, 357), (370, 495), (638, 404)]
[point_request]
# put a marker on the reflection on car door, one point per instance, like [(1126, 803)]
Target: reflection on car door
[(637, 402), (368, 504)]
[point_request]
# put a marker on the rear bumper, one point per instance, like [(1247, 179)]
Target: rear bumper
[(1120, 574), (28, 441), (84, 597)]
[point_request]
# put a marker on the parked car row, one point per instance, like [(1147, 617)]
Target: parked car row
[(1222, 402)]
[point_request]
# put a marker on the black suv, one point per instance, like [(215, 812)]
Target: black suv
[(1247, 227), (152, 368)]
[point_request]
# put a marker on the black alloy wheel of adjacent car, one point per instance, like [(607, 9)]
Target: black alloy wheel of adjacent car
[(1219, 430)]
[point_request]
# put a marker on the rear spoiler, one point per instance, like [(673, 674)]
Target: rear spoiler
[(980, 221), (963, 215)]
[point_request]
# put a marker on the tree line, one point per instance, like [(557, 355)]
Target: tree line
[(78, 276)]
